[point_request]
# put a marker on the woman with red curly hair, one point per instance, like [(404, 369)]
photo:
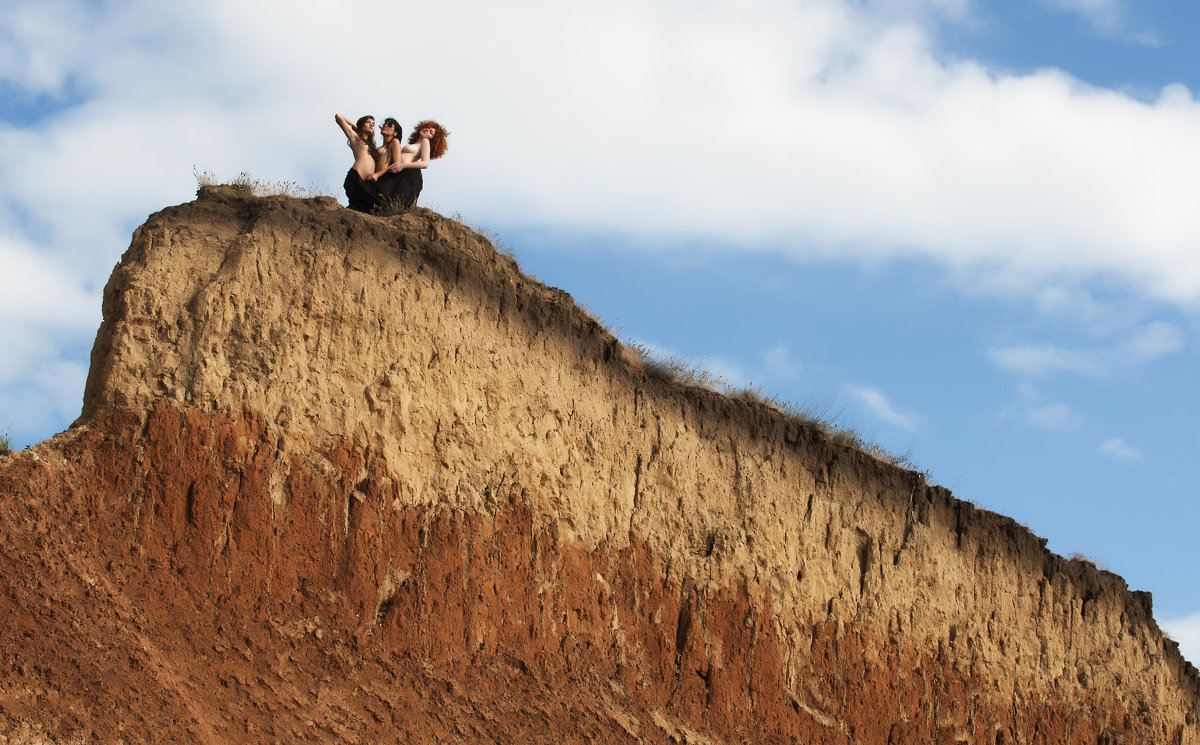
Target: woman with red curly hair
[(402, 182)]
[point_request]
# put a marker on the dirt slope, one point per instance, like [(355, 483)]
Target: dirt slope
[(342, 478)]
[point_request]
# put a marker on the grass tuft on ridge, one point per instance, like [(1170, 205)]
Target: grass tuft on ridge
[(246, 186)]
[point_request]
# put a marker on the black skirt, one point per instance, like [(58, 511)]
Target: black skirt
[(362, 195), (401, 188)]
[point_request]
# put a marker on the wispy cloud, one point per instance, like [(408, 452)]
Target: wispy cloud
[(1108, 18), (780, 365), (1040, 360), (1032, 409), (879, 405), (1103, 15), (1156, 340), (1186, 631), (902, 10), (1118, 449), (1146, 344), (1054, 417)]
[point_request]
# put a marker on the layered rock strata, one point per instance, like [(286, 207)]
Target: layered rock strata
[(349, 478)]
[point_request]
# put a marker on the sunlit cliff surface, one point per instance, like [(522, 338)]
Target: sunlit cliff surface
[(343, 478)]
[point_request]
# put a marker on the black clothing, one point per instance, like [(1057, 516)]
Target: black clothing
[(362, 195), (401, 188)]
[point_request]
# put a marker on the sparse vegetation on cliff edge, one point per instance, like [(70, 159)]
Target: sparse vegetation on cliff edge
[(246, 186), (5, 441), (674, 370)]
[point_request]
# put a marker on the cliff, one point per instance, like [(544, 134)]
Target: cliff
[(342, 478)]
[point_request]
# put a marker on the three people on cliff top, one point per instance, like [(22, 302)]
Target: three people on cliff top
[(388, 175)]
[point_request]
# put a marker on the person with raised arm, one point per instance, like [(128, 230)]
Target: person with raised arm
[(361, 191), (402, 181)]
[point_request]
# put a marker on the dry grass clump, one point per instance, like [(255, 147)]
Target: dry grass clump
[(6, 441), (502, 247), (390, 207), (850, 438), (821, 419), (1085, 559), (672, 369), (246, 186)]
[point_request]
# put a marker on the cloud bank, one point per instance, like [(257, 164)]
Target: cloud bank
[(812, 128)]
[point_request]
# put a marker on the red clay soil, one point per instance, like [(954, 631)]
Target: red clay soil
[(154, 592)]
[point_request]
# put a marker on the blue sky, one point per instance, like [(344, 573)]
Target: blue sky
[(964, 227)]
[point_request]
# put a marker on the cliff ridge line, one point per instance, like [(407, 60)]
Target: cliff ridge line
[(411, 375)]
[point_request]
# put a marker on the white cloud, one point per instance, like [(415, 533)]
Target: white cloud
[(879, 405), (42, 372), (1186, 631), (817, 121), (902, 10), (1152, 341), (1118, 449), (1156, 340), (35, 291), (1032, 409), (780, 365), (1039, 360), (1104, 15), (1079, 305), (1054, 417), (820, 127), (49, 324)]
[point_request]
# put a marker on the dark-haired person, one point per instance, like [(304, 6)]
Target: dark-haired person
[(361, 193), (391, 131), (426, 143)]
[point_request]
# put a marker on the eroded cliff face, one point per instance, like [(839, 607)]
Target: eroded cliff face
[(342, 478)]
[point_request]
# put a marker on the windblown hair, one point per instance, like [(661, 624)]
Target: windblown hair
[(385, 147), (437, 145), (395, 125), (358, 131)]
